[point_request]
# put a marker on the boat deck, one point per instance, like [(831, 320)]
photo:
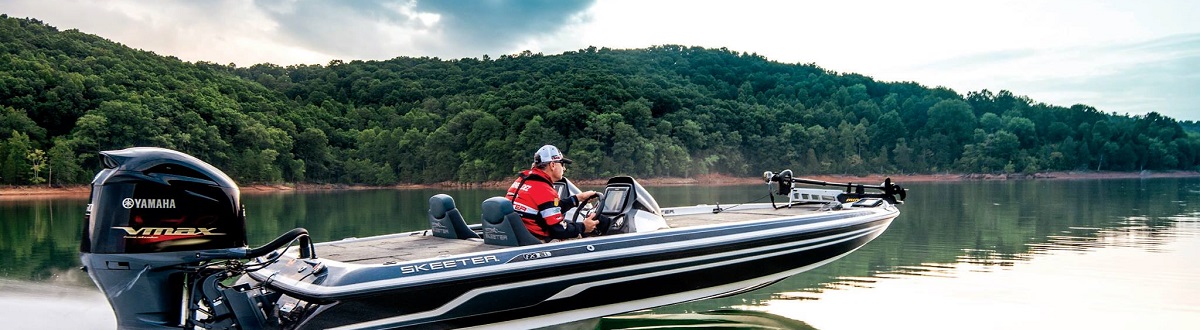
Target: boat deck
[(395, 248)]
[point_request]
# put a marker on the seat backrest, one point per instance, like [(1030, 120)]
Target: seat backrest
[(503, 226), (445, 220)]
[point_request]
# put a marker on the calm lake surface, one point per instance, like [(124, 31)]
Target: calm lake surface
[(1076, 254)]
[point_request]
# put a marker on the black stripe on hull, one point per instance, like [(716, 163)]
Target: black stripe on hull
[(674, 283), (505, 304)]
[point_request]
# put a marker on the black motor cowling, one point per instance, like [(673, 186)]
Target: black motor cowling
[(149, 200)]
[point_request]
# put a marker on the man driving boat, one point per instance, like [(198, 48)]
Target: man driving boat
[(535, 199)]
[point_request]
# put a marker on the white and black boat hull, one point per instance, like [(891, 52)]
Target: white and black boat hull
[(556, 283)]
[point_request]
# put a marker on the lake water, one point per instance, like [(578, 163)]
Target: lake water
[(1078, 254)]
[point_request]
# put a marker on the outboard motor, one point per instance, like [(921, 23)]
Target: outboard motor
[(155, 220), (152, 209)]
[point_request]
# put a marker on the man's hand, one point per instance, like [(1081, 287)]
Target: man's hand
[(589, 223)]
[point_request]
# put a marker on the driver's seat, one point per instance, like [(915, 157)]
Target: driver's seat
[(503, 226)]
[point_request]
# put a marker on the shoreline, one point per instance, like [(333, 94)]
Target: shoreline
[(82, 191)]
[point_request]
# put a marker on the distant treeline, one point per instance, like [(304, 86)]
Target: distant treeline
[(668, 110)]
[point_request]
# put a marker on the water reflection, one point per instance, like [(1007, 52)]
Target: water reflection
[(1030, 251), (718, 319), (1038, 253), (39, 239)]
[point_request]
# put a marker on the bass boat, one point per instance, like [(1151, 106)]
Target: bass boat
[(165, 240)]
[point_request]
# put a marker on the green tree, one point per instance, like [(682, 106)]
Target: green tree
[(990, 122), (903, 155), (950, 127), (16, 120), (953, 118), (312, 147), (15, 167), (671, 158), (888, 129), (63, 165), (258, 166), (1003, 145), (128, 124), (37, 162), (1024, 129)]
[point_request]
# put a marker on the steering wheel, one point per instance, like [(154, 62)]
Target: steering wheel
[(591, 205)]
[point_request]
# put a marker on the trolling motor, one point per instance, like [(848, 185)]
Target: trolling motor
[(163, 233), (783, 184)]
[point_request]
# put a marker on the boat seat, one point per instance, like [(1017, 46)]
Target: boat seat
[(503, 226), (445, 220)]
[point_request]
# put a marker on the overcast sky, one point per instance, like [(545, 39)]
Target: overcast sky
[(1118, 56)]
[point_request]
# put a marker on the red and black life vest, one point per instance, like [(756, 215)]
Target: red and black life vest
[(536, 200)]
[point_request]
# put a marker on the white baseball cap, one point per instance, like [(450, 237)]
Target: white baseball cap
[(549, 154)]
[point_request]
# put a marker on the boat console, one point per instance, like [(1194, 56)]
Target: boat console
[(627, 205), (630, 207)]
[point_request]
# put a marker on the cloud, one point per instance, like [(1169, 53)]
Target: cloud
[(215, 31), (353, 29), (1158, 75), (309, 31), (486, 26), (387, 29)]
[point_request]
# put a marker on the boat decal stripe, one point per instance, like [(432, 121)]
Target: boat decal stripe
[(590, 312), (619, 294), (576, 289), (739, 255)]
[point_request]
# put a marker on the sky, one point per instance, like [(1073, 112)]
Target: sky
[(1123, 56)]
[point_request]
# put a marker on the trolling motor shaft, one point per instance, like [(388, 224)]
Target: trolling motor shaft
[(782, 183)]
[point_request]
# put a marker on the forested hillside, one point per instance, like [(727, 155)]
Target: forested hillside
[(663, 111)]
